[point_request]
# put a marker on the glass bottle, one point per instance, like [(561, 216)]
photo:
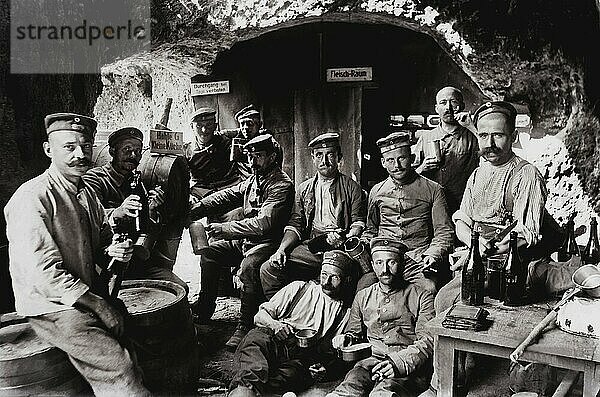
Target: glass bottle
[(570, 247), (473, 274), (591, 254), (142, 220), (515, 275)]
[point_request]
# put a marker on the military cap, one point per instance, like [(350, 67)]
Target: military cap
[(330, 139), (393, 141), (339, 259), (124, 133), (202, 114), (249, 112), (70, 122), (260, 143), (502, 107), (387, 244)]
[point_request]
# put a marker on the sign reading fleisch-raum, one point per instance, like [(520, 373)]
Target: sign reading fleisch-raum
[(166, 142), (350, 74), (210, 88)]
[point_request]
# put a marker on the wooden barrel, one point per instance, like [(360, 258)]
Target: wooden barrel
[(29, 366), (162, 333)]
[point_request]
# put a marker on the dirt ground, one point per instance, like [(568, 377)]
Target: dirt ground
[(488, 376)]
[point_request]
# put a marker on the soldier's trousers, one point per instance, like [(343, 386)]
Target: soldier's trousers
[(269, 366), (301, 264), (95, 353), (230, 254), (358, 383)]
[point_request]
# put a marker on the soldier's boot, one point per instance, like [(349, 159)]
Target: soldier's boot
[(248, 309)]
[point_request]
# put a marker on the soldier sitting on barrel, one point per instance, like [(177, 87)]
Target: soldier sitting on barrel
[(266, 199), (57, 231), (124, 197), (328, 209)]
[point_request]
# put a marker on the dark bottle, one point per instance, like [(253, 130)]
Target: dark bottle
[(570, 247), (591, 254), (142, 220), (473, 275), (515, 275)]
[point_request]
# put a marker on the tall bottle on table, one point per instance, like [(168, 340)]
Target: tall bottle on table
[(570, 248), (515, 275), (591, 254), (473, 275)]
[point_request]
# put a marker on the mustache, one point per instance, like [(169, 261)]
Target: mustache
[(489, 150), (328, 287), (79, 163), (133, 161)]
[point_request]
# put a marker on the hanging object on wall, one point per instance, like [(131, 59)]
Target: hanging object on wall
[(350, 74), (210, 88)]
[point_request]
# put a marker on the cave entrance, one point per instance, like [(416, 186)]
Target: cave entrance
[(285, 73)]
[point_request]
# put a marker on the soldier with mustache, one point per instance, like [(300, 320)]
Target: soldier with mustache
[(411, 209), (458, 147), (57, 232), (328, 206), (112, 184)]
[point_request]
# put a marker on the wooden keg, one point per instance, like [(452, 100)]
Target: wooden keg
[(29, 366), (162, 333)]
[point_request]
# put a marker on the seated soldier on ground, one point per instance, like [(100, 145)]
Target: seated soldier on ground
[(503, 189), (391, 316), (268, 359), (328, 207), (412, 209)]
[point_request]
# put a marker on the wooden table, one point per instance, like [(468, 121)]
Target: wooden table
[(510, 326)]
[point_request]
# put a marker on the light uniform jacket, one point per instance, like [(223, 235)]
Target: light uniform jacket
[(394, 324), (347, 196), (56, 233)]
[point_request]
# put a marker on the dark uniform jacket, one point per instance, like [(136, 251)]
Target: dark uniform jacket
[(266, 201), (209, 165), (344, 190)]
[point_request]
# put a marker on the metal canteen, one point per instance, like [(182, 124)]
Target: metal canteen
[(305, 337)]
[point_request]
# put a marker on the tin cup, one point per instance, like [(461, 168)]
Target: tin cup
[(436, 150), (237, 145), (198, 237), (357, 250)]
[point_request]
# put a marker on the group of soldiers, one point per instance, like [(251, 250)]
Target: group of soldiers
[(285, 245)]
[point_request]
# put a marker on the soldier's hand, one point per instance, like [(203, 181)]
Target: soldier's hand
[(283, 331), (429, 164), (340, 341), (214, 230), (120, 250), (317, 371), (465, 120), (128, 208), (485, 247), (156, 198), (111, 317), (278, 259), (429, 264), (383, 370), (335, 239), (354, 231)]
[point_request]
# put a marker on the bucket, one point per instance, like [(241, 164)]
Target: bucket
[(30, 366), (162, 334)]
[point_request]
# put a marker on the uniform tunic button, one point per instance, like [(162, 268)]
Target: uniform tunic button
[(385, 310)]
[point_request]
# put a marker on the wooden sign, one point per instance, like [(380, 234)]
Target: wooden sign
[(210, 88), (350, 74), (166, 142)]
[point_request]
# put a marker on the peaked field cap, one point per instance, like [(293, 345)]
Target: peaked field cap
[(203, 113), (124, 133), (70, 122), (393, 141), (387, 244), (260, 143), (247, 112), (502, 107), (329, 139), (339, 259)]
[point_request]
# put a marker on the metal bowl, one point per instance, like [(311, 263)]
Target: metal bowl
[(356, 352), (305, 337), (587, 277)]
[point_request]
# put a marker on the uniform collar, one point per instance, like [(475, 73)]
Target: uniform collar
[(59, 180)]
